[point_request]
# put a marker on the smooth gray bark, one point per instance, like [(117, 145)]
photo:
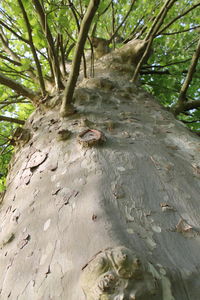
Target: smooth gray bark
[(140, 190)]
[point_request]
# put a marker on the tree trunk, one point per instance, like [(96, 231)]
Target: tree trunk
[(116, 220)]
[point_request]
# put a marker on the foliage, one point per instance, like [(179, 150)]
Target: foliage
[(31, 51)]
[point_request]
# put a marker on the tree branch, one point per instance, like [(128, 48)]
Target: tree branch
[(164, 72), (14, 62), (151, 34), (122, 22), (13, 32), (160, 18), (169, 64), (66, 107), (12, 120), (190, 122), (6, 47), (186, 106), (181, 31), (38, 66), (74, 12), (191, 71), (18, 88), (52, 53), (178, 17)]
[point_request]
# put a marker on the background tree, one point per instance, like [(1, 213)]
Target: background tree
[(117, 194)]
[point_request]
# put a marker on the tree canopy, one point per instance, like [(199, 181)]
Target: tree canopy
[(38, 43)]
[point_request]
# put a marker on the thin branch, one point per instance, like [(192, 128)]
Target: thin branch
[(11, 20), (190, 122), (52, 53), (16, 59), (181, 31), (18, 88), (13, 32), (132, 34), (178, 17), (69, 50), (191, 71), (81, 7), (4, 149), (160, 18), (66, 106), (12, 120), (113, 24), (62, 53), (191, 105), (146, 72), (151, 34), (191, 44), (14, 62), (33, 50), (169, 64), (105, 10), (123, 21), (6, 47), (74, 12), (4, 104)]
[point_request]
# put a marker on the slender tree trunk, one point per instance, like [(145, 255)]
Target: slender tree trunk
[(118, 220)]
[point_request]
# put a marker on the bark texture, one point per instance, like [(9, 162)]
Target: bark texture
[(115, 221)]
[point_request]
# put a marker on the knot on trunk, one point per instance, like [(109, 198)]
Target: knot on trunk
[(117, 273)]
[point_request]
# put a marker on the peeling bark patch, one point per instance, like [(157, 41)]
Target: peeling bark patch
[(8, 239), (37, 159), (196, 168), (167, 207), (22, 243), (183, 226)]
